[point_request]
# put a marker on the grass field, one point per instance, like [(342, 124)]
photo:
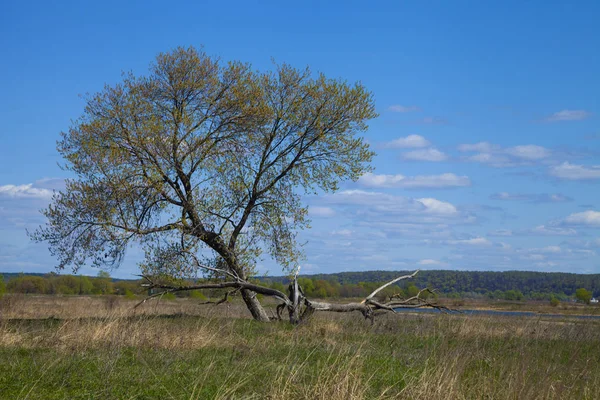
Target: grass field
[(99, 348)]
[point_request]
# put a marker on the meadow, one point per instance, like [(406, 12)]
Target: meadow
[(99, 347)]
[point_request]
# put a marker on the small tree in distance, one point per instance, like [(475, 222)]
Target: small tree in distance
[(583, 295), (203, 165)]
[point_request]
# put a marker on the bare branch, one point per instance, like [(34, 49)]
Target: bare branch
[(298, 305), (388, 284), (238, 285)]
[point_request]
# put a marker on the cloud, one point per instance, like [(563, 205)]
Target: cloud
[(496, 156), (575, 172), (25, 191), (447, 180), (430, 262), (551, 249), (544, 230), (501, 232), (408, 142), (321, 211), (532, 198), (434, 206), (403, 109), (342, 232), (482, 147), (478, 241), (585, 218), (568, 115), (382, 209), (431, 154), (529, 152), (493, 160)]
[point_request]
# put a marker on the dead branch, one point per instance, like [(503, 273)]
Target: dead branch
[(237, 285), (390, 283), (300, 307)]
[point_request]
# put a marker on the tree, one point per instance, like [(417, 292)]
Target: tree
[(2, 286), (203, 165), (583, 295), (27, 285)]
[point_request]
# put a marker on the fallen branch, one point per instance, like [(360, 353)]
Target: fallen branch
[(237, 285), (300, 307)]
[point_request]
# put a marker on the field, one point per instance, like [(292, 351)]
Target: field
[(100, 348)]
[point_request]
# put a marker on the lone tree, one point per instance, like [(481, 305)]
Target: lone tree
[(203, 165), (583, 295), (207, 159)]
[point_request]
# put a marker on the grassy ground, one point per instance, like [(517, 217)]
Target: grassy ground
[(94, 348), (543, 307)]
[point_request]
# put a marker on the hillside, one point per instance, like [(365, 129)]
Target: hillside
[(528, 282), (459, 283)]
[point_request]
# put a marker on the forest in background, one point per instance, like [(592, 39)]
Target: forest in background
[(507, 285)]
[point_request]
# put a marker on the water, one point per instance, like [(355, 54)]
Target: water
[(497, 313)]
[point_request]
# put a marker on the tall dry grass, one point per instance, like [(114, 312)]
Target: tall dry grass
[(216, 352)]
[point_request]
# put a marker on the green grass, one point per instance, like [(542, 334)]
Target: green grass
[(333, 356)]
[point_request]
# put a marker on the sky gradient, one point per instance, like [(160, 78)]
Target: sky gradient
[(488, 140)]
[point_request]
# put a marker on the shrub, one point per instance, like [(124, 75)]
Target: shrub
[(583, 295), (196, 294), (168, 296)]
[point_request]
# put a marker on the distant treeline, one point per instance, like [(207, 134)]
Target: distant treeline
[(509, 285), (68, 284)]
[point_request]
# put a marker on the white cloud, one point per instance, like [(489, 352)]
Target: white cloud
[(533, 198), (529, 152), (546, 264), (504, 246), (431, 154), (446, 180), (409, 142), (429, 261), (586, 218), (403, 109), (553, 231), (533, 257), (435, 206), (342, 232), (501, 232), (491, 159), (551, 249), (321, 211), (496, 156), (557, 198), (25, 191), (478, 241), (568, 115), (481, 147), (575, 172), (382, 208)]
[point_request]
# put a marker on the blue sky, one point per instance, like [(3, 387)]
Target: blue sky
[(488, 139)]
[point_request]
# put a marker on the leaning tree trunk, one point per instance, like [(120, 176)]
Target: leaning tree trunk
[(254, 306)]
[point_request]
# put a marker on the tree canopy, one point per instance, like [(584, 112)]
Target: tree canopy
[(203, 164), (583, 295)]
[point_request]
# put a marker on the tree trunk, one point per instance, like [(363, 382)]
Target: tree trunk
[(256, 309)]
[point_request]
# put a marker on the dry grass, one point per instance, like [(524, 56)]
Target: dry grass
[(178, 349)]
